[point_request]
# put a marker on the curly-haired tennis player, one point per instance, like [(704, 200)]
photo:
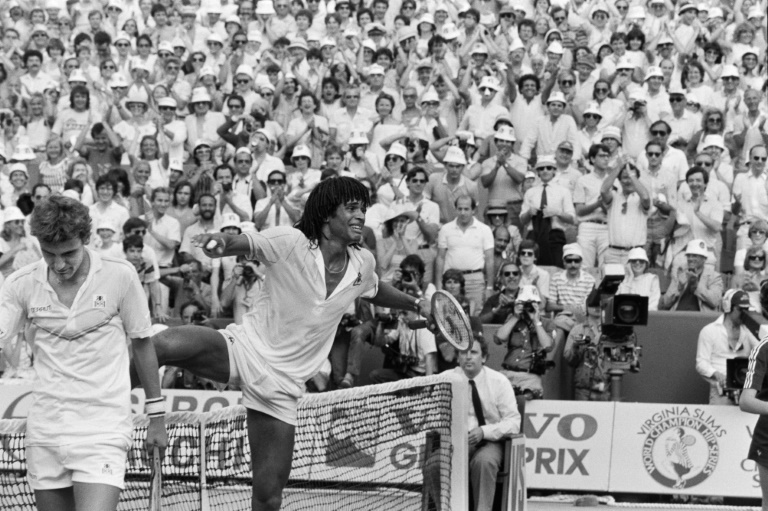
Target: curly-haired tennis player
[(314, 271)]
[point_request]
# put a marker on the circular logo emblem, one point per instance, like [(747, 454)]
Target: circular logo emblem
[(680, 452)]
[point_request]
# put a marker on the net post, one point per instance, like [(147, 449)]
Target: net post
[(204, 502), (459, 443)]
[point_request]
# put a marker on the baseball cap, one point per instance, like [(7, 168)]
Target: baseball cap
[(735, 298)]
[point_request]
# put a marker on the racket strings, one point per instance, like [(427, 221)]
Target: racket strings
[(452, 321)]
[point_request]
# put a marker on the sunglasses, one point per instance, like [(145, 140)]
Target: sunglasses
[(198, 60), (601, 91), (559, 20), (418, 181), (573, 260), (591, 116), (730, 78), (243, 161), (548, 167), (139, 232), (240, 41), (166, 108), (659, 133), (762, 233), (507, 15), (622, 7), (567, 83), (242, 82), (652, 154), (172, 68), (676, 99), (599, 17), (122, 45), (526, 253), (164, 55), (353, 97), (757, 258), (715, 119), (636, 261), (511, 273), (40, 35), (759, 158), (108, 68), (275, 181)]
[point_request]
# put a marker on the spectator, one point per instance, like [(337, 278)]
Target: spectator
[(758, 237), (549, 208), (106, 207), (163, 231), (504, 173), (394, 246), (207, 208), (749, 192), (526, 336), (241, 292), (275, 210), (753, 274), (454, 283), (697, 287), (591, 379), (549, 131), (723, 339), (627, 212), (444, 187), (416, 350), (638, 281), (16, 248), (492, 417), (588, 205), (662, 187), (570, 288), (499, 306), (188, 287), (149, 275), (182, 205), (530, 273), (466, 244)]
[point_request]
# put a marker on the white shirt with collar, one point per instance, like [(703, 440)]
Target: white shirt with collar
[(293, 324), (465, 248), (82, 387), (502, 418), (714, 349)]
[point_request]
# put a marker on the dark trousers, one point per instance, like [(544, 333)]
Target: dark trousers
[(346, 355), (550, 247)]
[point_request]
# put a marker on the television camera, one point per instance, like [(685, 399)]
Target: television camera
[(619, 314)]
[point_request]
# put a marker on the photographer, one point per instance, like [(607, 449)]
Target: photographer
[(409, 278), (188, 287), (724, 338), (526, 335), (415, 351), (228, 200), (499, 306), (591, 380), (243, 289)]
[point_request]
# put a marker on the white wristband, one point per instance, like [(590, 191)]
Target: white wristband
[(154, 408)]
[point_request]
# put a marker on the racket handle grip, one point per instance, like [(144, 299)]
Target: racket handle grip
[(417, 324)]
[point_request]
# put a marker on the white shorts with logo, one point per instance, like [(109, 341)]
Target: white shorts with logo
[(51, 467), (264, 389)]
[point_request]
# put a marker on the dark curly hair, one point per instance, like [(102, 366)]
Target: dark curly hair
[(322, 203), (59, 219)]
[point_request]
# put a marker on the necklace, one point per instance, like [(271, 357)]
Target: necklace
[(346, 260)]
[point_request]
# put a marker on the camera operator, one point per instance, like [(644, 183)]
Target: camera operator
[(243, 289), (723, 339), (409, 277), (582, 351), (528, 340)]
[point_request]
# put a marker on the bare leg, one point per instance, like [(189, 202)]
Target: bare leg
[(89, 496), (763, 471), (60, 499), (198, 349), (271, 451)]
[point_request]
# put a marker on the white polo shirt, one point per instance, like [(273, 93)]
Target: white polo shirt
[(465, 249), (82, 388), (170, 228), (292, 325)]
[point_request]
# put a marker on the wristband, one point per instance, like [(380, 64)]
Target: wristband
[(417, 304), (154, 407)]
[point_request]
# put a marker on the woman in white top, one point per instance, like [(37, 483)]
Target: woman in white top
[(304, 179), (638, 282), (309, 129), (385, 125), (392, 185), (53, 171), (753, 273), (692, 79), (758, 237)]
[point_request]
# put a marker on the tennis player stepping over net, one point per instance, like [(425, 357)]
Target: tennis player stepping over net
[(313, 273), (76, 308)]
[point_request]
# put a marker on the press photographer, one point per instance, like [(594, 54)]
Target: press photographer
[(243, 289), (725, 338), (528, 339)]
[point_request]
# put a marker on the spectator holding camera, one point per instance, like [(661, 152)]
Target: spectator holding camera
[(695, 287), (499, 306), (591, 380), (416, 351), (189, 287), (242, 292), (527, 338), (723, 339), (410, 278)]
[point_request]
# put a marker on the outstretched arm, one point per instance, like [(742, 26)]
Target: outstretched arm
[(390, 296)]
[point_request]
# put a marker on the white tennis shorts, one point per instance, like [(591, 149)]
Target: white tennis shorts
[(50, 467), (264, 389)]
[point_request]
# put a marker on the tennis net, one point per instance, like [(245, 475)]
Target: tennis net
[(394, 446)]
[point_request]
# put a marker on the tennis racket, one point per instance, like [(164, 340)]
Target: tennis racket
[(451, 321), (156, 484)]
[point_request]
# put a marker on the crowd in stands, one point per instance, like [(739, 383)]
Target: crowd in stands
[(512, 149)]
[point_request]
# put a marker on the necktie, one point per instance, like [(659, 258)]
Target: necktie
[(277, 214), (543, 198), (477, 404)]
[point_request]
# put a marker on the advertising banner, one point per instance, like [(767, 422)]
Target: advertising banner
[(568, 444), (683, 449)]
